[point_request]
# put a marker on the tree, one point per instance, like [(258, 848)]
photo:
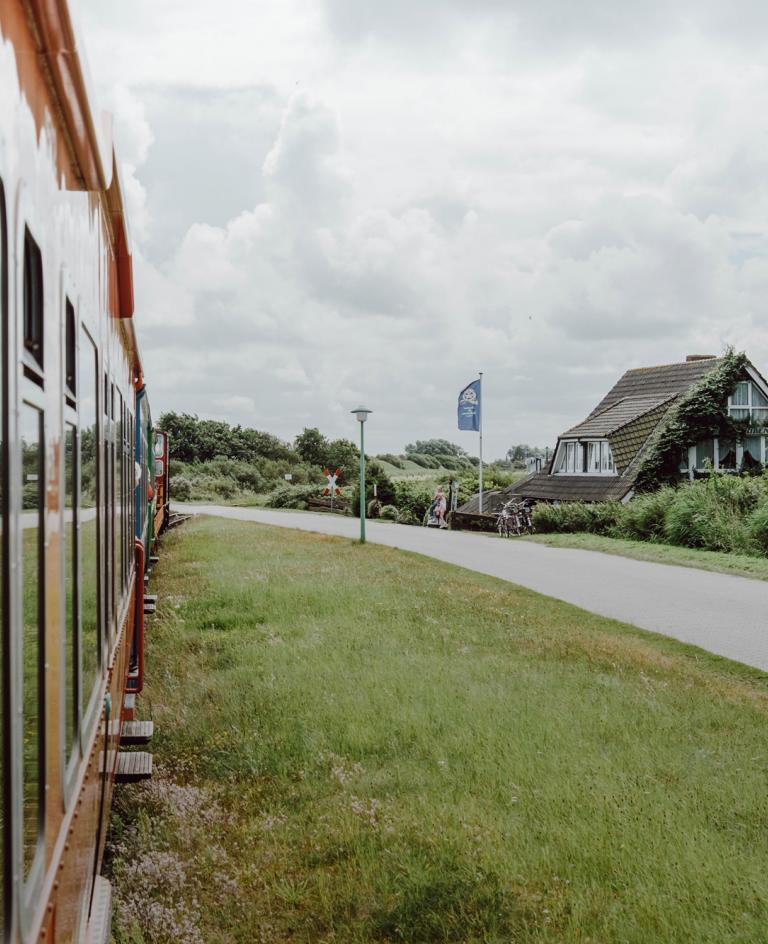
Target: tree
[(312, 446), (343, 454)]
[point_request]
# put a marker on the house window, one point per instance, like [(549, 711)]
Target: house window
[(705, 453), (753, 451), (747, 402), (587, 458), (726, 451)]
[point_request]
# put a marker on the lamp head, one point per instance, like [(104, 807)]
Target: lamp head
[(361, 413)]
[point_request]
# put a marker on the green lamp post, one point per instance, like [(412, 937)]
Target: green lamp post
[(361, 413)]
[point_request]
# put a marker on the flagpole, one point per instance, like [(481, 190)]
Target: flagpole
[(481, 442)]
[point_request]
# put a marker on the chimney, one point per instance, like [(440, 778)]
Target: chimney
[(699, 357)]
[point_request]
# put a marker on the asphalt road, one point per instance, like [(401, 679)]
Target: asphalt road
[(724, 614)]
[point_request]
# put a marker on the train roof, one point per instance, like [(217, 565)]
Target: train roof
[(87, 137)]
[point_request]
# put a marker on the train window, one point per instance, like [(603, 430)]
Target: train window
[(69, 349), (117, 456), (33, 299), (107, 511), (71, 711), (3, 491), (120, 480), (32, 641), (88, 387)]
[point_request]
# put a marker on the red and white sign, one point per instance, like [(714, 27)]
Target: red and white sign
[(332, 488)]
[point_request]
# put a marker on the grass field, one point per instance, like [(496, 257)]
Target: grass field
[(741, 565), (361, 745)]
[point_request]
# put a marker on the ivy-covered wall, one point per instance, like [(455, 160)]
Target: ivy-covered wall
[(701, 413)]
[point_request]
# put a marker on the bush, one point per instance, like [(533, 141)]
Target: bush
[(708, 514), (757, 528), (643, 518), (385, 491), (389, 513), (292, 496), (413, 497), (180, 488), (574, 517), (392, 459), (408, 517)]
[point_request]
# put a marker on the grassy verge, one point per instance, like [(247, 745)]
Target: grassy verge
[(741, 565), (362, 745)]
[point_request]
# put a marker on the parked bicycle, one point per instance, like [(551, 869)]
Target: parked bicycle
[(515, 517)]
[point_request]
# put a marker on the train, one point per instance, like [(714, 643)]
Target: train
[(83, 485)]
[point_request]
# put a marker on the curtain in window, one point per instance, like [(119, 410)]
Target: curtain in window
[(705, 450), (740, 395), (606, 458), (593, 457), (752, 448), (727, 453)]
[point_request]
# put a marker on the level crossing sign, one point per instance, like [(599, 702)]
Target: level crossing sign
[(332, 488)]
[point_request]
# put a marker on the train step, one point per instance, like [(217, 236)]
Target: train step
[(137, 732), (133, 766), (129, 707), (101, 912), (176, 520), (153, 559), (149, 607)]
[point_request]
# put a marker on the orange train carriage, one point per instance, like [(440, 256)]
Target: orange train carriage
[(76, 464)]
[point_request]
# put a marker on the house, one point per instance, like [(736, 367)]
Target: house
[(656, 425)]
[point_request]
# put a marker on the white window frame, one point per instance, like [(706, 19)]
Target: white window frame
[(582, 451), (754, 412)]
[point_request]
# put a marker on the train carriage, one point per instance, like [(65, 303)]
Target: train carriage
[(76, 515)]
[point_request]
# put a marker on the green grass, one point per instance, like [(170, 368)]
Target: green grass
[(742, 565), (362, 745)]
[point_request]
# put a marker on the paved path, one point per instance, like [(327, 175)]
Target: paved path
[(724, 614)]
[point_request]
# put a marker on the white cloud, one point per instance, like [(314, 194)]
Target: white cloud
[(346, 200)]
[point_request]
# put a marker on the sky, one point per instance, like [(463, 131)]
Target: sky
[(336, 202)]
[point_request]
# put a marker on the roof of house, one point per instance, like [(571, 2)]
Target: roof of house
[(587, 488), (616, 416), (663, 382)]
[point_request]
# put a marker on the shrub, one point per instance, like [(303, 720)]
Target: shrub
[(709, 514), (389, 513), (180, 488), (392, 459), (573, 517), (413, 497), (407, 517), (374, 508), (384, 488), (292, 496), (643, 518), (757, 528)]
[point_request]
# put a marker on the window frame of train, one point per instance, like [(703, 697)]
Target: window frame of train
[(70, 708), (90, 704), (6, 810), (29, 396)]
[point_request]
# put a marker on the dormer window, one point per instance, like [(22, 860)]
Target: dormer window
[(590, 457)]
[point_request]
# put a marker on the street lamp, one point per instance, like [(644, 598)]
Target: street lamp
[(361, 413)]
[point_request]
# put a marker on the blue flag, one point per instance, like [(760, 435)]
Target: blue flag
[(469, 407)]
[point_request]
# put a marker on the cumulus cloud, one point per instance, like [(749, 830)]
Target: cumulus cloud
[(351, 200)]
